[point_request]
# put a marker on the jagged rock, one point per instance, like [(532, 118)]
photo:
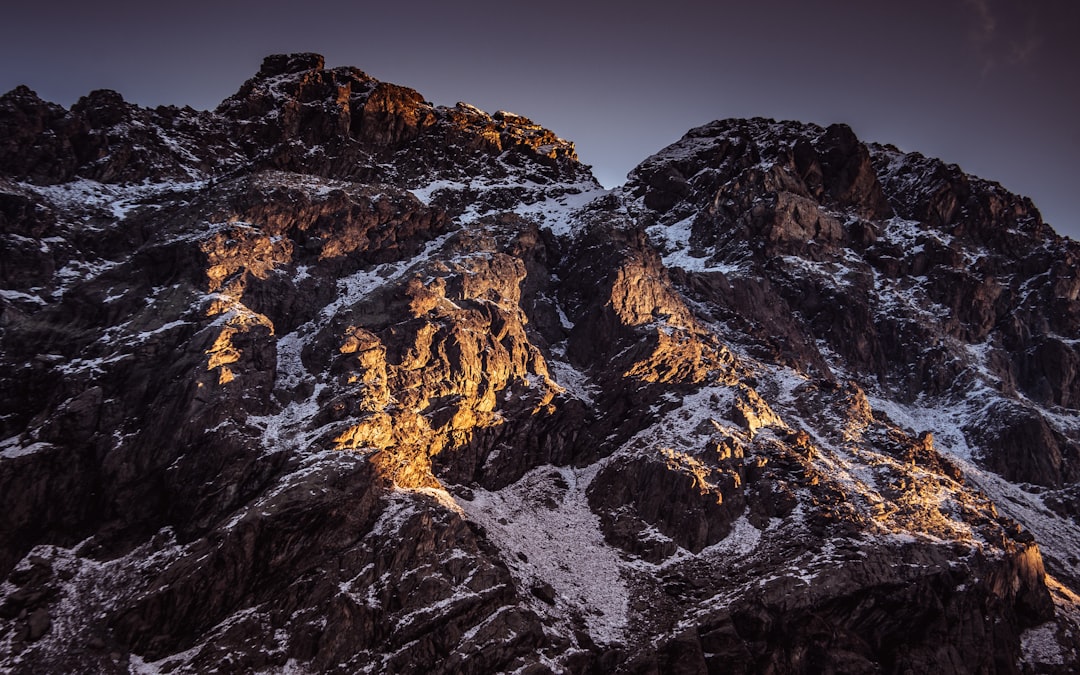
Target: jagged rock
[(294, 115), (1021, 445), (689, 502), (27, 150), (911, 626), (332, 379), (288, 64), (752, 413), (848, 174)]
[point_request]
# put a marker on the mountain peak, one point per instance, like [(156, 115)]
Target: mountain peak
[(287, 64), (21, 92)]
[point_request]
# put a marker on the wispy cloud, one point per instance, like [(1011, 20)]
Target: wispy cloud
[(1004, 31), (985, 22), (1024, 52)]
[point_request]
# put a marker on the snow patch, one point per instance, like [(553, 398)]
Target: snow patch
[(741, 541), (116, 200), (12, 448), (1040, 645), (16, 296), (560, 214), (557, 541), (572, 380)]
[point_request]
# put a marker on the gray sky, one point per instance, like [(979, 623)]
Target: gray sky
[(991, 85)]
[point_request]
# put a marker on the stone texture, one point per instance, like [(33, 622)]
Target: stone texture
[(311, 382)]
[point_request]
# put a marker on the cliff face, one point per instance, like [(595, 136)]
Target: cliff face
[(333, 379)]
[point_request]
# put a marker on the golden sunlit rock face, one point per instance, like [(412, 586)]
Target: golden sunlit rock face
[(333, 379), (238, 251), (429, 382), (238, 325), (411, 387)]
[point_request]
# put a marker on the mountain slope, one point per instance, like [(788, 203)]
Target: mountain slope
[(333, 379)]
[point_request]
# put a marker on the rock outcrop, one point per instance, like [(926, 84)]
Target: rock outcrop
[(332, 379)]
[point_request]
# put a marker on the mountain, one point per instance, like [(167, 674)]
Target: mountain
[(331, 379)]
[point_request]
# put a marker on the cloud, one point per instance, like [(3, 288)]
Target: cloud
[(985, 25), (1004, 31), (1024, 52)]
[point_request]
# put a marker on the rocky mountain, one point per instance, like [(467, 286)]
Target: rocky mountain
[(332, 379)]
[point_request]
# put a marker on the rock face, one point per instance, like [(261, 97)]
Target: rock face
[(331, 379)]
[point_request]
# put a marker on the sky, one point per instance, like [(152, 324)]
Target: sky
[(991, 85)]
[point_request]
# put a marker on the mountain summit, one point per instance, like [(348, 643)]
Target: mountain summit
[(332, 379)]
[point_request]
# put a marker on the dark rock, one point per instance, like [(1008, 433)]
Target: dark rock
[(40, 622), (263, 408), (1020, 445), (288, 64), (30, 149), (690, 503), (544, 591), (848, 174)]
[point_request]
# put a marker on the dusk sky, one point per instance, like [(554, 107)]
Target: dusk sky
[(991, 85)]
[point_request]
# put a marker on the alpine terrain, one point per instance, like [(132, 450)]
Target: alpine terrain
[(331, 379)]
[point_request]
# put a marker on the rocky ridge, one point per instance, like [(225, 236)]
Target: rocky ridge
[(331, 379)]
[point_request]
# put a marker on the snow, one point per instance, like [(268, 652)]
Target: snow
[(94, 365), (116, 200), (560, 214), (1058, 537), (87, 590), (905, 233), (80, 270), (556, 206), (291, 667), (562, 544), (542, 523), (355, 287), (564, 320), (831, 273), (945, 422), (12, 448), (741, 541), (164, 328), (866, 474), (673, 242), (572, 380), (686, 427), (137, 666), (288, 429), (17, 296), (1040, 645), (425, 193), (787, 381)]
